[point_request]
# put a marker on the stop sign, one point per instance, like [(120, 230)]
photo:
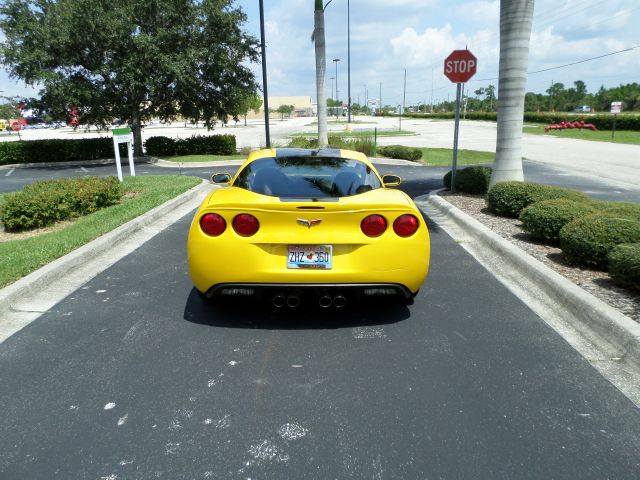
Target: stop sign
[(16, 127), (460, 66)]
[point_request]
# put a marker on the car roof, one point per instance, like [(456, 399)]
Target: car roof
[(307, 152)]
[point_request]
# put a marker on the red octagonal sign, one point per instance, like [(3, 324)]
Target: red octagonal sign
[(460, 66)]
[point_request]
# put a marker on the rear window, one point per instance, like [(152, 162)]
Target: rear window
[(308, 177)]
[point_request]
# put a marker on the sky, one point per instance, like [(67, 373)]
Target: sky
[(389, 36)]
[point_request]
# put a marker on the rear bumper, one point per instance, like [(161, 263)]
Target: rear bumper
[(309, 291)]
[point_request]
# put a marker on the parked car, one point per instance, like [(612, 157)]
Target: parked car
[(317, 226)]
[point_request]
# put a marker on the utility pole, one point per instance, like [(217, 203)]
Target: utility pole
[(404, 97), (432, 90), (380, 106), (348, 63), (336, 60), (264, 78)]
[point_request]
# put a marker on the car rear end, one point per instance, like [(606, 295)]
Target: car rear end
[(328, 251)]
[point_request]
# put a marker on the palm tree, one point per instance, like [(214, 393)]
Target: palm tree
[(321, 67), (516, 17)]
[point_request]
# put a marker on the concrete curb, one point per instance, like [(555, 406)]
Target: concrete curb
[(35, 282), (587, 315)]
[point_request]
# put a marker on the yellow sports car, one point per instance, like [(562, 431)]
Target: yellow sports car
[(298, 226)]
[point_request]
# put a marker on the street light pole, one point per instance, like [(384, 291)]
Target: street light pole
[(348, 63), (336, 60), (264, 78)]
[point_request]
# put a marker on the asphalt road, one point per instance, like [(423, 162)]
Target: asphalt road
[(416, 180), (132, 377)]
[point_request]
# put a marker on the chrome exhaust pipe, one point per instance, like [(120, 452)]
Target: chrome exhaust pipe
[(325, 301), (339, 301), (279, 300), (293, 301)]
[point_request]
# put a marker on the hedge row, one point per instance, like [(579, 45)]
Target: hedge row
[(45, 202), (39, 151), (624, 265), (601, 121), (587, 241), (474, 179), (508, 199), (196, 145), (401, 152), (593, 234)]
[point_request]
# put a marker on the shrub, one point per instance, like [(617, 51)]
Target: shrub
[(588, 240), (400, 151), (359, 144), (43, 203), (624, 265), (160, 146), (474, 179), (196, 145), (40, 151), (545, 219), (508, 199), (302, 142)]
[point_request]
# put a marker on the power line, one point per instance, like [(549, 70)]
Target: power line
[(565, 65), (583, 61)]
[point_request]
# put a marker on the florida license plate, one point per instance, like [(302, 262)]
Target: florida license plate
[(309, 256)]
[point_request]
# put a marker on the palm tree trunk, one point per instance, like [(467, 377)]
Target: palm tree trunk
[(321, 67), (516, 17)]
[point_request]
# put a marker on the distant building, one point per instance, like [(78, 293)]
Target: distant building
[(303, 107)]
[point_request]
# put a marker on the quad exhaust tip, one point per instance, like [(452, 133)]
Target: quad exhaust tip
[(293, 301), (339, 301), (279, 300), (325, 301)]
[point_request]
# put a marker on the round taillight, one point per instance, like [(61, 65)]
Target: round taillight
[(405, 225), (245, 224), (373, 225), (212, 224)]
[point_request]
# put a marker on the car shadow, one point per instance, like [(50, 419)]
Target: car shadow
[(257, 315)]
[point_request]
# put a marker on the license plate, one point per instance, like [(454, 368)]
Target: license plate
[(310, 256)]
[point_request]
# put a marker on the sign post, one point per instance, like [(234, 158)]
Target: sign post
[(616, 108), (123, 135), (459, 67)]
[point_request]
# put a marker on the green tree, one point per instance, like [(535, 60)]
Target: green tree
[(490, 98), (557, 95), (285, 110), (251, 102), (8, 111), (131, 59)]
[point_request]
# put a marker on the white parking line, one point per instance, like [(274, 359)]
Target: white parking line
[(84, 170), (9, 172)]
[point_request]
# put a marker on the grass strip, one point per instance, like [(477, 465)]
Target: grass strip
[(442, 157), (203, 158), (621, 136), (367, 133), (21, 257)]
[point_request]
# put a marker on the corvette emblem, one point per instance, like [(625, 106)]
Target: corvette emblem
[(309, 223)]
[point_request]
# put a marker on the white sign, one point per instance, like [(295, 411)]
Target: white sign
[(123, 135), (616, 107)]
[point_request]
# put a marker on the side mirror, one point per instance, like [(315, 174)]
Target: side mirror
[(391, 180), (220, 178)]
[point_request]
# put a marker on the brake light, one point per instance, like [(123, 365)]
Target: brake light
[(245, 224), (405, 225), (212, 224), (373, 225)]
